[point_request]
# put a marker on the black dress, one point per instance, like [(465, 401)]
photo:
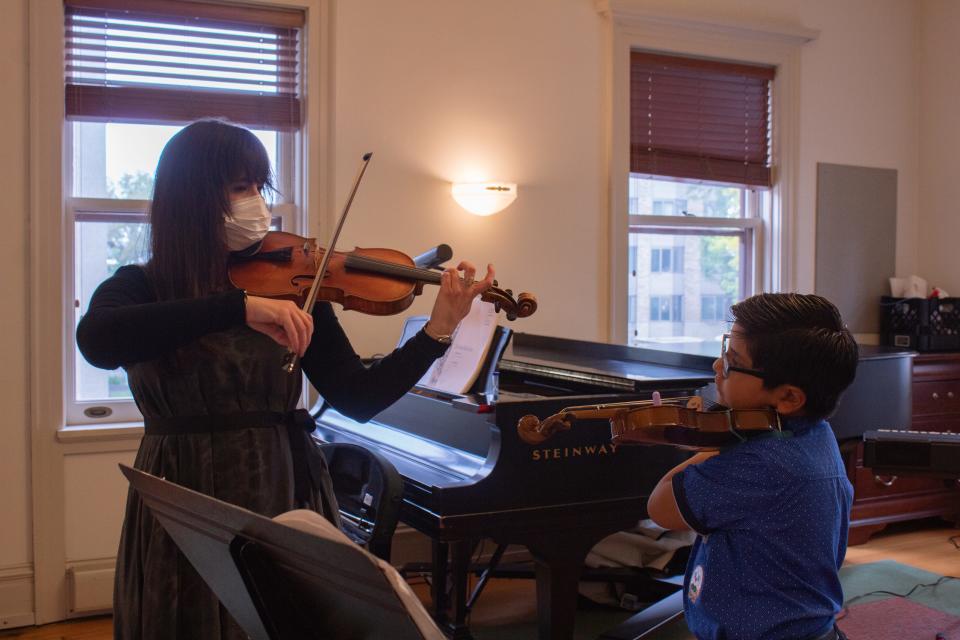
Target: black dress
[(190, 359)]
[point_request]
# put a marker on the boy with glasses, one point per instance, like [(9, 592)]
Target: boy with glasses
[(772, 512)]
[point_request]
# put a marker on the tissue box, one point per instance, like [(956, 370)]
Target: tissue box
[(920, 323)]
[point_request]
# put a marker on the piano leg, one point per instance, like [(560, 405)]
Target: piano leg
[(459, 553), (438, 585), (557, 565)]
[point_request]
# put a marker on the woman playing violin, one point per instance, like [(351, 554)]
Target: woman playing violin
[(204, 360), (772, 512)]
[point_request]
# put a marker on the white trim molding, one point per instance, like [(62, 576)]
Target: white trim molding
[(778, 45), (625, 13), (16, 596), (90, 586), (47, 282)]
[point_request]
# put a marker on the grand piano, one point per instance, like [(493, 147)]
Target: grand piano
[(468, 476)]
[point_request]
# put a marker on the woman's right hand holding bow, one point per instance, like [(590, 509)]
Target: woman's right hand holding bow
[(286, 323)]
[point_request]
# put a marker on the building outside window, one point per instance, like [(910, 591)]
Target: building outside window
[(666, 260), (666, 309), (713, 308)]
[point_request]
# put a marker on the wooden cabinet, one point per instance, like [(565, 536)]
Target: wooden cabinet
[(880, 500)]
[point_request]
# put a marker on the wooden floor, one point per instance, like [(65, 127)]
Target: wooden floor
[(924, 544)]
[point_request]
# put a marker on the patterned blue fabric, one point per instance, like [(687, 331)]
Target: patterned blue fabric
[(772, 514)]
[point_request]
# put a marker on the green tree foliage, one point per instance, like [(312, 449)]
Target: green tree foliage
[(128, 242), (719, 255), (720, 262), (132, 186)]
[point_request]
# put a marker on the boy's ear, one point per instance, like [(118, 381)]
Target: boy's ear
[(790, 399)]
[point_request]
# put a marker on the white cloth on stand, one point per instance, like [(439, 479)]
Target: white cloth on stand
[(647, 545)]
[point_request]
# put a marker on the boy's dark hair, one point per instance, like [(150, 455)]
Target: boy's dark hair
[(197, 165), (800, 340)]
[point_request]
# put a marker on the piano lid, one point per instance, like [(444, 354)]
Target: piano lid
[(613, 366)]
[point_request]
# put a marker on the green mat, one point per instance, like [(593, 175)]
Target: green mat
[(856, 580), (888, 575)]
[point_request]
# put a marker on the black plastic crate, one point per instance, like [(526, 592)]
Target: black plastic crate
[(920, 323)]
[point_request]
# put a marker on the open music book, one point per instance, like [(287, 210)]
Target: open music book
[(470, 349)]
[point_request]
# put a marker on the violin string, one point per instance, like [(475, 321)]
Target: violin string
[(389, 268), (627, 404)]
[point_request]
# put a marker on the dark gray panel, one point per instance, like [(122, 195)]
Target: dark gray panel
[(856, 240)]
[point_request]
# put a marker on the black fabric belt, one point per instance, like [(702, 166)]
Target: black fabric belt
[(217, 423), (309, 472)]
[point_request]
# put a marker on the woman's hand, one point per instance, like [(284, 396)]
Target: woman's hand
[(455, 297), (282, 320)]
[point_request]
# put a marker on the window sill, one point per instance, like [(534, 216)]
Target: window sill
[(99, 433)]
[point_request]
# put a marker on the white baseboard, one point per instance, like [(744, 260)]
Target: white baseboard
[(90, 587), (16, 596)]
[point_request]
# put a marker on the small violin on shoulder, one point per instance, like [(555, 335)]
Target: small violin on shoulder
[(679, 422)]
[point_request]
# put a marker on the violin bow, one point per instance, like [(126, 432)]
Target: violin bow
[(290, 360)]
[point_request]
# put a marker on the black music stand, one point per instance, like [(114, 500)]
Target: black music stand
[(280, 582)]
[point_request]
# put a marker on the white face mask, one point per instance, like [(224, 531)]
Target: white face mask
[(248, 223)]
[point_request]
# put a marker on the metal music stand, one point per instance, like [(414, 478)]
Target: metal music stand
[(279, 582)]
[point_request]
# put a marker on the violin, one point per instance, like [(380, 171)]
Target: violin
[(679, 422), (379, 282), (374, 281)]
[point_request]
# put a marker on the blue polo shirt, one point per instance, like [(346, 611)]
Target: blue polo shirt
[(772, 514)]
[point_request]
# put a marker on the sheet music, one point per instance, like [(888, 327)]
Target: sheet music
[(458, 368)]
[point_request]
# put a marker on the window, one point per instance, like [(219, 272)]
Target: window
[(666, 308), (669, 207), (713, 308), (133, 78), (666, 260), (698, 189)]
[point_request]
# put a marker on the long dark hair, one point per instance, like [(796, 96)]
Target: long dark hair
[(189, 252)]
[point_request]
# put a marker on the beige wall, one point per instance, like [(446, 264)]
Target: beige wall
[(15, 531), (939, 232), (439, 89), (442, 91), (439, 92)]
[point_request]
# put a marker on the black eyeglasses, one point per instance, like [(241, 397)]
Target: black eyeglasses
[(727, 367)]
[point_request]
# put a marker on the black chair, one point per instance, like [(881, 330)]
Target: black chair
[(369, 492)]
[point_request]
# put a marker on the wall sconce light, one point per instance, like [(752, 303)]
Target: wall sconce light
[(484, 198)]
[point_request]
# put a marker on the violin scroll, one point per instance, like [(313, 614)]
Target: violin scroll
[(534, 431), (524, 305)]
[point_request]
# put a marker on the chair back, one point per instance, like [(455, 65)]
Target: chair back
[(369, 491)]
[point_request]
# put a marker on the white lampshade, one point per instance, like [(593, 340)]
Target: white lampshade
[(484, 198)]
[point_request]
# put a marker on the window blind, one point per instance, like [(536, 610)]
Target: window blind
[(700, 119), (174, 61)]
